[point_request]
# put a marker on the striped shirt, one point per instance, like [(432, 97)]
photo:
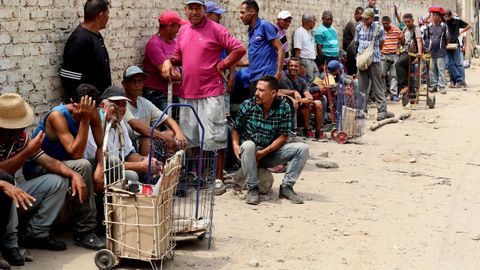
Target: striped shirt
[(392, 39), (327, 37), (365, 36)]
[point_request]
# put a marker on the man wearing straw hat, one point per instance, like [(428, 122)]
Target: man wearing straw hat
[(40, 198)]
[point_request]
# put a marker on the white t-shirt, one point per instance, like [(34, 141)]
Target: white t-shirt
[(145, 111), (303, 40), (113, 142)]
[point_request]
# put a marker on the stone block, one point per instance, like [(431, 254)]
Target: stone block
[(28, 26), (47, 25), (13, 77), (38, 14), (5, 38), (45, 3), (3, 77), (265, 178), (36, 97), (13, 50), (47, 48), (6, 13), (8, 88), (6, 63)]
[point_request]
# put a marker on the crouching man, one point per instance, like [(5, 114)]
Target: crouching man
[(260, 138)]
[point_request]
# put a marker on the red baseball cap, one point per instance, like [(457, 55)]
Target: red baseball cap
[(169, 17)]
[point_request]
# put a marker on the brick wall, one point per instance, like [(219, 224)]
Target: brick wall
[(33, 34)]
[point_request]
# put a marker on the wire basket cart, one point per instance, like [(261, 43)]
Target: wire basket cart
[(350, 111), (195, 197), (139, 224)]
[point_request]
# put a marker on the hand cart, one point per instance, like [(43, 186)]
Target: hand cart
[(194, 200), (350, 113), (139, 224), (418, 83)]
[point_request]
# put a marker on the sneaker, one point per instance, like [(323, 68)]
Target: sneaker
[(252, 196), (394, 98), (220, 187), (287, 192), (46, 243), (451, 85), (385, 115), (89, 240), (309, 134), (319, 135), (13, 256), (279, 168), (443, 91), (461, 85)]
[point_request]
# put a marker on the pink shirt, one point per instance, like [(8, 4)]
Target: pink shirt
[(199, 49), (157, 51)]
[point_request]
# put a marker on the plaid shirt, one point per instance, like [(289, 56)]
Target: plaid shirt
[(364, 36), (252, 124)]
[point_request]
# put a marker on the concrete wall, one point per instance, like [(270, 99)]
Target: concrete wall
[(33, 34)]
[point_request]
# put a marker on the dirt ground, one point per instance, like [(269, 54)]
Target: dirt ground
[(407, 197)]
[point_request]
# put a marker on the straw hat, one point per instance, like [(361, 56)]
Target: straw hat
[(14, 112)]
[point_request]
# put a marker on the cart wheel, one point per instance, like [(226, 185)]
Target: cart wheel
[(476, 53), (405, 99), (333, 134), (104, 259), (201, 237), (342, 137), (431, 102), (331, 127)]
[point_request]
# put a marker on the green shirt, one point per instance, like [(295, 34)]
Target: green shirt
[(252, 124)]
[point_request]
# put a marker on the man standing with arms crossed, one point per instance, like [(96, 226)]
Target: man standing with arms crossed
[(199, 46)]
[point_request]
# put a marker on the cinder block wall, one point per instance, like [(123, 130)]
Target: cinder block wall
[(33, 34)]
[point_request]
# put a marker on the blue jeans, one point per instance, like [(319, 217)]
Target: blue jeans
[(160, 100), (49, 191), (455, 66), (437, 73), (296, 154)]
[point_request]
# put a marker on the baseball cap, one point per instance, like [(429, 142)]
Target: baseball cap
[(368, 12), (213, 7), (284, 14), (201, 2), (169, 17), (114, 93), (334, 65), (133, 70)]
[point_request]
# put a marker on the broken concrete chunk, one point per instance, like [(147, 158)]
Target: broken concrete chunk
[(326, 164)]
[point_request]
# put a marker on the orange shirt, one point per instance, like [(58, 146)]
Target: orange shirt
[(392, 40)]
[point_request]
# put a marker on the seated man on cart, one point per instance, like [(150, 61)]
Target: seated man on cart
[(136, 165), (260, 137), (294, 86), (142, 114)]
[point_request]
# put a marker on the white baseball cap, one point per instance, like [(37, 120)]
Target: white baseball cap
[(284, 14)]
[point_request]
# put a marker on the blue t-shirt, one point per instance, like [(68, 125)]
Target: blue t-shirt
[(261, 54), (327, 37)]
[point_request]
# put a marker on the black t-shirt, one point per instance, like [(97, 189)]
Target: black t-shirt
[(299, 84), (85, 60), (454, 26)]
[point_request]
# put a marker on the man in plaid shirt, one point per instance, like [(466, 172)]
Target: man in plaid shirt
[(260, 138)]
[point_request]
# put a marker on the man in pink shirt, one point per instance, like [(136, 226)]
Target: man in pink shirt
[(159, 48), (199, 46)]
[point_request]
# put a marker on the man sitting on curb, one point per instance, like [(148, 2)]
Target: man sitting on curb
[(259, 139), (291, 84), (135, 164), (142, 114), (38, 200), (66, 131)]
